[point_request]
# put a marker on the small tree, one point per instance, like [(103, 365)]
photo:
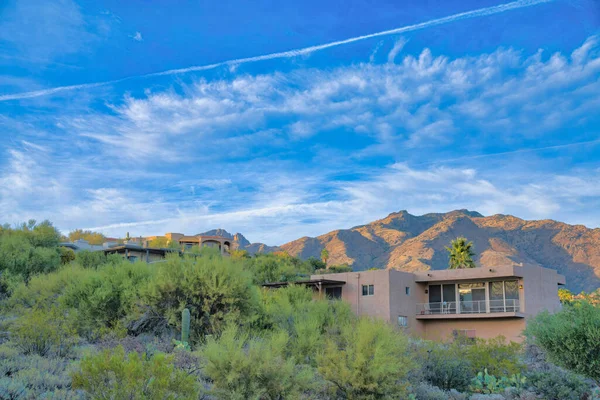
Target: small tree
[(324, 255), (460, 254)]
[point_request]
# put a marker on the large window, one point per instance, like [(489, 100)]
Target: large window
[(504, 296), (368, 290), (472, 298), (442, 298), (333, 293)]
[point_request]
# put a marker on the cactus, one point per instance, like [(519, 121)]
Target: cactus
[(185, 325)]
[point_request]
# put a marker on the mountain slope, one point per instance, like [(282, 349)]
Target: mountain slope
[(411, 243)]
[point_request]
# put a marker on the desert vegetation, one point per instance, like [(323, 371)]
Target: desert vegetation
[(86, 326)]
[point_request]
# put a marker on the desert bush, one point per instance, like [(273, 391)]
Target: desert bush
[(425, 391), (91, 259), (66, 255), (29, 249), (570, 338), (367, 360), (43, 332), (279, 267), (495, 355), (444, 365), (112, 374), (105, 296), (557, 384), (34, 377), (334, 269), (241, 367), (44, 290), (214, 289), (306, 321)]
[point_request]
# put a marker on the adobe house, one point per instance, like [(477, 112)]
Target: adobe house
[(437, 305), (134, 252), (219, 242)]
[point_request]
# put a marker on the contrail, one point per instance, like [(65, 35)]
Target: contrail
[(292, 53)]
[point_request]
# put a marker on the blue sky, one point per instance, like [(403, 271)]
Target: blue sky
[(496, 111)]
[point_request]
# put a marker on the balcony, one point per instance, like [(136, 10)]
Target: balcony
[(470, 309)]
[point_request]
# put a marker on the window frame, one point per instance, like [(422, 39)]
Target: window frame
[(370, 290), (404, 320)]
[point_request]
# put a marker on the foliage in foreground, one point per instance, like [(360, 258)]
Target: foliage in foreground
[(367, 360), (112, 374), (241, 367), (571, 337)]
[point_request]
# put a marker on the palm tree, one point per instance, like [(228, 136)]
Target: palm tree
[(461, 254), (324, 256)]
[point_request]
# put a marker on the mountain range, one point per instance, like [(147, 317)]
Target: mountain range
[(415, 243)]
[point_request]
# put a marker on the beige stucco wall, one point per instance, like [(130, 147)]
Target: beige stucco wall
[(377, 305), (488, 328), (402, 304), (538, 291)]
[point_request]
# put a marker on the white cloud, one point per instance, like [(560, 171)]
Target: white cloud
[(137, 37), (236, 153), (421, 101)]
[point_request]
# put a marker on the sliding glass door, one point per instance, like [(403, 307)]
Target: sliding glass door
[(442, 299), (472, 298)]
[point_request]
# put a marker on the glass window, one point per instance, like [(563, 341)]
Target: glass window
[(407, 291), (435, 294), (333, 293), (449, 293), (368, 290), (511, 290), (496, 291), (402, 321)]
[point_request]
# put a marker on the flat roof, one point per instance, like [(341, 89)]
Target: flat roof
[(306, 282), (136, 247)]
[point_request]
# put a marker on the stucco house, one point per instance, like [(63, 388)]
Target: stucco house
[(476, 302)]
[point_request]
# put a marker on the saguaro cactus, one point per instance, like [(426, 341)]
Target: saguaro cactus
[(185, 325)]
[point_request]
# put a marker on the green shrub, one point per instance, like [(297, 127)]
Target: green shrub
[(91, 259), (306, 321), (334, 269), (495, 355), (43, 332), (444, 365), (367, 360), (214, 289), (279, 267), (556, 384), (115, 375), (105, 296), (241, 367), (29, 249), (66, 255), (570, 338)]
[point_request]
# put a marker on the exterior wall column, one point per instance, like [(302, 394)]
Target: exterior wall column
[(487, 297)]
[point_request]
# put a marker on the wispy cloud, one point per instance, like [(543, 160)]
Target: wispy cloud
[(137, 37), (482, 12), (281, 155)]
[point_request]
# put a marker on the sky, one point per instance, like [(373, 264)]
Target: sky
[(288, 119)]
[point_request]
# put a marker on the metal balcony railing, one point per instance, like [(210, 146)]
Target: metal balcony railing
[(469, 307)]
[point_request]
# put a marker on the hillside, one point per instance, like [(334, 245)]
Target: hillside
[(411, 243)]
